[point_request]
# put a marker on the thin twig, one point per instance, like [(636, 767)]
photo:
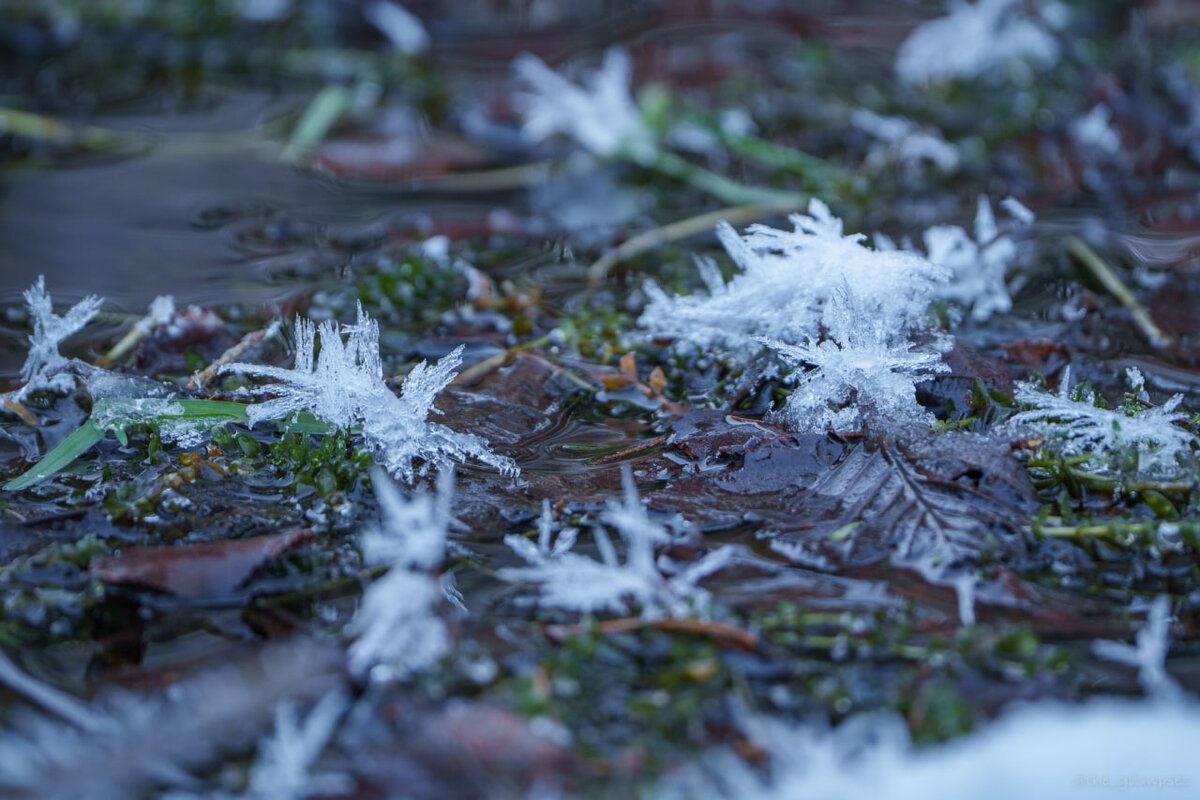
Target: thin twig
[(476, 371), (1087, 257), (682, 229), (248, 341)]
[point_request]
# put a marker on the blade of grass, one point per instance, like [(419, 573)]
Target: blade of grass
[(69, 449), (322, 114), (215, 412), (1088, 258)]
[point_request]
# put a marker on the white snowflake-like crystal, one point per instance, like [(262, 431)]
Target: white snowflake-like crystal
[(855, 319), (344, 386), (283, 770), (979, 264), (785, 283), (601, 115), (576, 582), (122, 745), (904, 142), (49, 331), (861, 373), (396, 631)]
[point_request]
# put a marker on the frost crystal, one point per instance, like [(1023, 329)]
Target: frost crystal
[(344, 386), (972, 40), (1149, 655), (1094, 134), (49, 330), (903, 141), (396, 631), (402, 28), (282, 771), (978, 264), (161, 310), (860, 367), (854, 318), (602, 117), (577, 582), (1108, 437)]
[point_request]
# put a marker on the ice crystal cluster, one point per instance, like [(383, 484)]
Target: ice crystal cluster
[(600, 115), (344, 386), (40, 370), (978, 38), (851, 320), (979, 263), (396, 631), (575, 582), (1147, 441)]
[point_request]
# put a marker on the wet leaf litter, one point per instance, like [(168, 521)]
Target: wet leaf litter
[(829, 430)]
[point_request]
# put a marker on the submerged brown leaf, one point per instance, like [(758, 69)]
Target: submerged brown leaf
[(925, 501), (210, 569)]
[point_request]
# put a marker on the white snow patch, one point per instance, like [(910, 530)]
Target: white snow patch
[(1049, 750)]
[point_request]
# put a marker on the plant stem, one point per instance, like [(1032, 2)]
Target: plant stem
[(702, 223), (1087, 257), (720, 187)]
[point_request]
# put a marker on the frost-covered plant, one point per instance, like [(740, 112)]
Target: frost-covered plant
[(49, 331), (853, 319), (1074, 425), (576, 582), (396, 632), (344, 386), (601, 115), (974, 39)]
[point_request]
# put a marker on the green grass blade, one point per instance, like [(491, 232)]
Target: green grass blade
[(69, 449), (305, 423), (220, 410), (214, 412)]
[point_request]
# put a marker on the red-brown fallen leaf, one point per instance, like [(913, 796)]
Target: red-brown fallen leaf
[(211, 569), (398, 159), (1040, 355)]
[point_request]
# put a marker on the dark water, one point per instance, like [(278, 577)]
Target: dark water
[(203, 208)]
